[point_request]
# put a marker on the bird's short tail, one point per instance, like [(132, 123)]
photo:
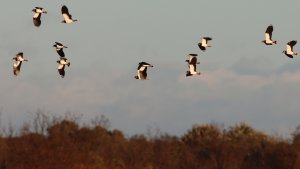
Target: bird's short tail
[(275, 42)]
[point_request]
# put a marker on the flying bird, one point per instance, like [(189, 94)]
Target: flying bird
[(61, 66), (67, 16), (59, 49), (204, 43), (192, 62), (268, 36), (18, 62), (142, 71), (38, 11), (289, 52)]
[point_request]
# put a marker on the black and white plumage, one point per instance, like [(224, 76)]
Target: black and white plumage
[(289, 52), (38, 11), (66, 15), (18, 62), (268, 36), (142, 71), (192, 62), (59, 49), (204, 43), (61, 66)]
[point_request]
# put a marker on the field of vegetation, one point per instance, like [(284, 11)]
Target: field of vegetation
[(49, 142)]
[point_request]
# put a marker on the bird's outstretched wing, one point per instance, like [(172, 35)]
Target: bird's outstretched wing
[(292, 43), (269, 32), (201, 47), (143, 73), (17, 68), (37, 21), (60, 53), (61, 70), (65, 12)]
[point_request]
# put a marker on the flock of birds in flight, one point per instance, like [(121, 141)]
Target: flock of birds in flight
[(62, 62), (142, 67), (192, 61)]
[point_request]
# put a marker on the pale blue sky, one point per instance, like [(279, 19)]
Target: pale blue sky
[(242, 79)]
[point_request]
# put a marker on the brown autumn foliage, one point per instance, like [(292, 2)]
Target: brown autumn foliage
[(62, 143)]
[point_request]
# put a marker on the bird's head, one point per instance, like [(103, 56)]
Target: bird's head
[(33, 10), (136, 77), (63, 21)]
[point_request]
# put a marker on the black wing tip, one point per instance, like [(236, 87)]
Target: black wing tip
[(201, 47), (207, 38), (37, 22), (64, 9), (58, 43), (292, 43), (269, 29)]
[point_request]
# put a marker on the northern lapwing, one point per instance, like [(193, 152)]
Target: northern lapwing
[(192, 62), (61, 66), (289, 52), (38, 11), (18, 62), (66, 15), (204, 43), (268, 36), (142, 71), (59, 49)]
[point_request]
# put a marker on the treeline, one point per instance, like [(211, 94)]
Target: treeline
[(64, 143)]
